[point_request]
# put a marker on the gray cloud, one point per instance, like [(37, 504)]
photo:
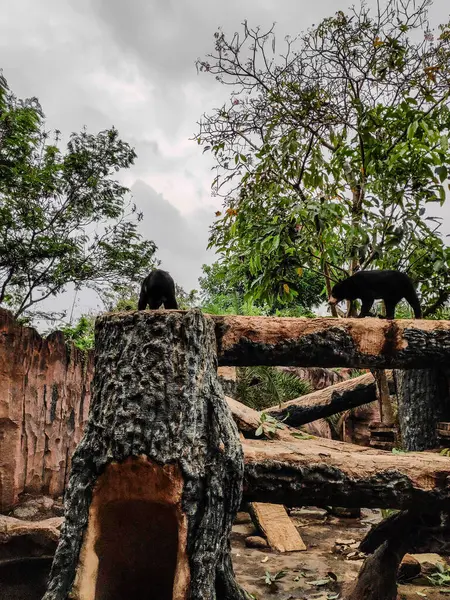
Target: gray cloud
[(181, 239)]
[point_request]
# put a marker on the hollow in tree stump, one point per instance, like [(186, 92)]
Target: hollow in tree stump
[(156, 480)]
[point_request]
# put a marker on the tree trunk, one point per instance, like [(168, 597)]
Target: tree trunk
[(325, 342), (423, 401), (329, 401), (156, 480), (377, 579)]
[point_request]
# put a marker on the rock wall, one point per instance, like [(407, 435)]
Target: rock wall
[(44, 404)]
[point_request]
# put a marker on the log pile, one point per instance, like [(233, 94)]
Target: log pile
[(161, 466)]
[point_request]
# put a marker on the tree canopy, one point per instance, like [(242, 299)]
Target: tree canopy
[(329, 153), (64, 218)]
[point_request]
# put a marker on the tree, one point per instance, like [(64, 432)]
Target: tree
[(227, 288), (329, 155), (64, 219), (82, 333)]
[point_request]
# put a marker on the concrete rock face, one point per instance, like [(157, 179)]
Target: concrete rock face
[(44, 403)]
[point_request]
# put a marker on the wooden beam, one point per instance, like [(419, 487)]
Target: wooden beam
[(322, 472), (328, 342), (329, 401), (319, 472)]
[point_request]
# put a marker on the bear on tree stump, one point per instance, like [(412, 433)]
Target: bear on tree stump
[(156, 481)]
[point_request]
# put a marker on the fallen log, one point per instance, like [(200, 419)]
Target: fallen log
[(424, 533), (328, 342), (329, 401), (248, 420), (319, 472), (156, 480), (377, 579), (322, 472)]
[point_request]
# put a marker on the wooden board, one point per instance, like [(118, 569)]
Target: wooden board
[(276, 525)]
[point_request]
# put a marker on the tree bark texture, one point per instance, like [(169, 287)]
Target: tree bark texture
[(322, 472), (423, 401), (319, 472), (326, 342), (329, 401), (156, 480)]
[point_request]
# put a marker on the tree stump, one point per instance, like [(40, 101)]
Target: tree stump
[(157, 479)]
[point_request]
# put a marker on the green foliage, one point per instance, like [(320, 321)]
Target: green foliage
[(186, 300), (64, 219), (441, 577), (268, 426), (262, 387), (388, 512), (225, 289), (81, 334), (329, 155), (301, 435), (272, 580)]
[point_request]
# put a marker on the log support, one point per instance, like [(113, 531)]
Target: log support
[(157, 479), (329, 401), (327, 342)]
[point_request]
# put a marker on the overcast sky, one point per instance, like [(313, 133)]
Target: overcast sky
[(131, 64)]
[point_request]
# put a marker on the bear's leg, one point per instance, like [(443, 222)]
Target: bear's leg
[(365, 308), (390, 308), (413, 301), (155, 303), (170, 303)]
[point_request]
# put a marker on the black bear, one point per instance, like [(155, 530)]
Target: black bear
[(157, 288), (390, 286)]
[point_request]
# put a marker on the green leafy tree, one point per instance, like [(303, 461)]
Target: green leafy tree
[(329, 154), (225, 289), (64, 219), (82, 333)]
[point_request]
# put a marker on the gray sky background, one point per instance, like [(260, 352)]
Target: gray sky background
[(131, 64)]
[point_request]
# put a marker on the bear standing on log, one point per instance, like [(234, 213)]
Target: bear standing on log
[(368, 286), (157, 288)]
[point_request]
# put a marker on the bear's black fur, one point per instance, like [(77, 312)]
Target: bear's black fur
[(390, 286), (157, 288)]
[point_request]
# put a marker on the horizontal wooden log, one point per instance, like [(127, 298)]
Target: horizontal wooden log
[(322, 472), (329, 401), (328, 342)]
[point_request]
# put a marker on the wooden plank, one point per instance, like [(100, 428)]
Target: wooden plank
[(276, 525)]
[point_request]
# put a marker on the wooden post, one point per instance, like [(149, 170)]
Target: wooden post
[(156, 480)]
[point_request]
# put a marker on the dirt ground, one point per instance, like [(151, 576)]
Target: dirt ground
[(319, 532), (319, 563)]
